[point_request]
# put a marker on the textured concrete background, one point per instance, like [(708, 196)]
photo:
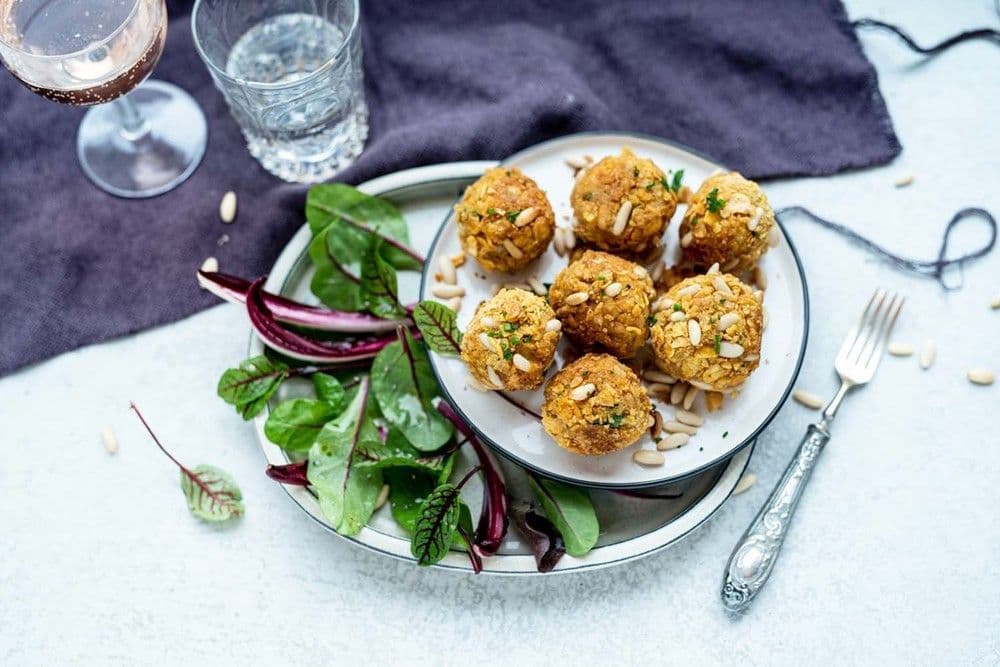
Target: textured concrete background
[(893, 558)]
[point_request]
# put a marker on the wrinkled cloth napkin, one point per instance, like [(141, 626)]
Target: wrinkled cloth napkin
[(772, 88)]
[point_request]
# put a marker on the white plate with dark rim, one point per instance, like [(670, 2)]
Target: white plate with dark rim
[(630, 528), (520, 437)]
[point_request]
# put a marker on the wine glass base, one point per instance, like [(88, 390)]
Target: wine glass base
[(155, 160)]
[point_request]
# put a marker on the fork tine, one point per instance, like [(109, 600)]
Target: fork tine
[(867, 330), (875, 330), (852, 335), (885, 332)]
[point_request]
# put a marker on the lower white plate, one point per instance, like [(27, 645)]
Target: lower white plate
[(630, 527)]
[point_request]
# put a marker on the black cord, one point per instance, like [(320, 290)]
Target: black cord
[(930, 268), (979, 33)]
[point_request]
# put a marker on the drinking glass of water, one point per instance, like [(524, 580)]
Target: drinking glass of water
[(290, 71)]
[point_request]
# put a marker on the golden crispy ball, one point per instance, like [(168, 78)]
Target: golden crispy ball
[(647, 258), (600, 193), (604, 300), (510, 344), (727, 221), (595, 405), (504, 220), (723, 348)]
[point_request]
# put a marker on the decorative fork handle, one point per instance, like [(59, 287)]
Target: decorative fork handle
[(753, 558)]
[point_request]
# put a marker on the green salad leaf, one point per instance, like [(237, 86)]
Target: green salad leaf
[(211, 493), (405, 387), (379, 285), (572, 512), (250, 386), (436, 322), (335, 282), (347, 491), (294, 425), (408, 488), (328, 389), (436, 525), (397, 452)]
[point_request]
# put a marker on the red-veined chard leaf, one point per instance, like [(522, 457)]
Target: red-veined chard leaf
[(294, 424), (379, 285), (436, 525), (328, 389), (546, 542), (405, 387), (289, 473), (347, 492), (211, 493), (436, 322), (250, 386), (572, 512)]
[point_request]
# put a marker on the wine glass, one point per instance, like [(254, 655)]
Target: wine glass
[(94, 52)]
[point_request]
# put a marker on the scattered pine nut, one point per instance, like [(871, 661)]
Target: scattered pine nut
[(227, 207), (678, 316), (659, 388), (720, 286), (689, 418), (494, 378), (575, 163), (383, 496), (807, 399), (728, 350), (673, 441), (995, 303), (684, 194), (677, 393), (694, 332), (613, 290), (639, 272), (476, 384), (754, 222), (455, 303), (686, 240), (900, 349), (773, 237), (689, 290), (210, 265), (904, 180), (657, 427), (514, 251), (110, 440), (759, 277), (678, 427), (662, 303), (447, 291), (927, 354), (521, 363), (981, 376), (553, 325), (712, 270), (657, 272), (486, 341), (583, 392), (576, 298), (648, 457), (728, 320), (526, 216), (689, 396), (537, 286), (447, 269), (654, 375), (569, 237), (746, 481), (621, 220)]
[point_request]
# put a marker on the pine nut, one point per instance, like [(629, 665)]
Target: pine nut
[(455, 303), (553, 325), (689, 396), (689, 418), (613, 290), (677, 427), (494, 378), (654, 375), (476, 384), (721, 286), (808, 399), (704, 386), (514, 251), (557, 243), (648, 457), (526, 216), (657, 272), (442, 291), (580, 173), (656, 428), (538, 286), (673, 441), (575, 163), (110, 440), (904, 180), (773, 237), (576, 298), (447, 270), (981, 376), (728, 320), (900, 349), (759, 277), (995, 303), (640, 272), (758, 296), (729, 350), (694, 332), (521, 363), (227, 207), (712, 270), (487, 342), (677, 393), (927, 354), (754, 222), (583, 392), (689, 290), (210, 265), (763, 317), (621, 220), (488, 322), (686, 240), (659, 388), (569, 236), (746, 481), (663, 303), (383, 496), (678, 316)]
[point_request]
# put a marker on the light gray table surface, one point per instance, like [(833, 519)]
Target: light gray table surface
[(894, 557)]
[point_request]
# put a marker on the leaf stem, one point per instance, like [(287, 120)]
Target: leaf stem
[(469, 476), (417, 257), (135, 408)]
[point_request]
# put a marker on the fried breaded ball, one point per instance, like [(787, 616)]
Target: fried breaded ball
[(595, 405), (511, 341), (647, 258), (710, 336), (604, 300), (727, 221), (504, 220), (614, 182)]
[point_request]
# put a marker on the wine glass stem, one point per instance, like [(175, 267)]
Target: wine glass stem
[(133, 125)]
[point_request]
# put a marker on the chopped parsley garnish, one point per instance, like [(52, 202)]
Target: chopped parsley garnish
[(512, 215), (652, 184), (526, 338), (725, 433), (678, 307), (714, 203), (651, 320), (587, 196), (635, 171), (585, 374), (511, 326), (613, 420), (718, 343), (491, 211), (675, 185), (602, 277)]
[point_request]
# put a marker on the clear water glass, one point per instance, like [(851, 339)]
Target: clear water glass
[(290, 71)]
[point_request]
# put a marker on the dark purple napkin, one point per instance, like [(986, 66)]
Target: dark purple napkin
[(772, 88)]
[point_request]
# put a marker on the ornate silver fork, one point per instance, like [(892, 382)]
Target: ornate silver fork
[(753, 559)]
